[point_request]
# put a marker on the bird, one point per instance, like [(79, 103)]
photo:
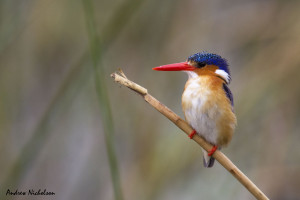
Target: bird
[(207, 101)]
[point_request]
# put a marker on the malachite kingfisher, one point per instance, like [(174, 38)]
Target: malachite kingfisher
[(207, 102)]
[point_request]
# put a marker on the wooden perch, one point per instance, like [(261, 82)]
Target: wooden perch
[(183, 125)]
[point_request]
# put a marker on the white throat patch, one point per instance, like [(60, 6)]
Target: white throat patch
[(223, 74), (192, 74)]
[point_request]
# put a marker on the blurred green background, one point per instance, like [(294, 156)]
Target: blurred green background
[(65, 126)]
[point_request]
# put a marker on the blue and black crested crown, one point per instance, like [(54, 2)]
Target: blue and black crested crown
[(205, 58)]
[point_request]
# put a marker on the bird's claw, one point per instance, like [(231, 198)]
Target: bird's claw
[(212, 151), (191, 135)]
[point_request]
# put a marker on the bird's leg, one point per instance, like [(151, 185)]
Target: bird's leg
[(191, 135), (212, 151)]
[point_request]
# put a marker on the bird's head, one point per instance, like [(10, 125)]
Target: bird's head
[(202, 63)]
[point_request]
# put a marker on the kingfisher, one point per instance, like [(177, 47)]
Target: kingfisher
[(207, 102)]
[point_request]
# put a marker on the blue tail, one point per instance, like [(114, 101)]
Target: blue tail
[(209, 163)]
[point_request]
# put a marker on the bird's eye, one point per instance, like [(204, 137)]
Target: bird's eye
[(201, 64)]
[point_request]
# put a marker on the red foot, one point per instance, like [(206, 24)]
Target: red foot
[(191, 135), (212, 151)]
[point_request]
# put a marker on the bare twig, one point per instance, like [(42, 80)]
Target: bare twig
[(183, 125)]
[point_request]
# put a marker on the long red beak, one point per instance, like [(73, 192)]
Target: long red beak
[(183, 66)]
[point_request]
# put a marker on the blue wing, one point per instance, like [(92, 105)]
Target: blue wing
[(228, 94)]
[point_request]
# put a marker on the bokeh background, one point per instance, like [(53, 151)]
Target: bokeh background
[(65, 126)]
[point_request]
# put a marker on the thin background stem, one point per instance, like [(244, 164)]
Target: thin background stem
[(73, 81), (102, 94)]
